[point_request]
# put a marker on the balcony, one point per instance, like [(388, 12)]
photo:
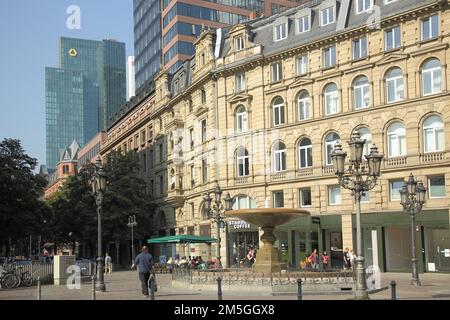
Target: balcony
[(304, 172), (278, 176), (433, 157), (241, 180), (328, 170), (395, 162)]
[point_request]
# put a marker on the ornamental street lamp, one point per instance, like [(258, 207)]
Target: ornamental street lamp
[(131, 224), (215, 213), (412, 198), (360, 177), (98, 183)]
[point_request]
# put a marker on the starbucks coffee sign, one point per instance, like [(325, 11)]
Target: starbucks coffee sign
[(239, 224)]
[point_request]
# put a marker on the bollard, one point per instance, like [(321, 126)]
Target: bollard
[(393, 285), (219, 288), (93, 288), (299, 289), (39, 288), (151, 282)]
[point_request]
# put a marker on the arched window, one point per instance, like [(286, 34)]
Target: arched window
[(241, 119), (279, 153), (365, 134), (431, 77), (278, 112), (361, 92), (243, 202), (331, 99), (304, 106), (330, 141), (242, 162), (305, 153), (396, 136), (395, 89), (433, 134)]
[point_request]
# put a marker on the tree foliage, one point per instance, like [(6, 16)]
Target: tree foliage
[(73, 208), (21, 211)]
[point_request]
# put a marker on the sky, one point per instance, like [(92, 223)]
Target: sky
[(29, 32)]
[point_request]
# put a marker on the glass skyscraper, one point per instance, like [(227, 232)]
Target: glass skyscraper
[(87, 88)]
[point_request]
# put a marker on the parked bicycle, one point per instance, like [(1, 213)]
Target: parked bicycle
[(13, 276)]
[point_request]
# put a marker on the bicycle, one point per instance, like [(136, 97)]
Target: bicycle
[(25, 277), (8, 278)]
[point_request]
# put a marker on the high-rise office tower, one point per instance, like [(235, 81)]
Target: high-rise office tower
[(181, 22), (131, 78), (83, 92)]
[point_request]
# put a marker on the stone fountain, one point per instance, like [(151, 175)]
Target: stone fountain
[(268, 258)]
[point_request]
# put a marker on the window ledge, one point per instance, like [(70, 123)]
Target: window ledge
[(422, 42), (334, 67), (357, 60), (389, 51)]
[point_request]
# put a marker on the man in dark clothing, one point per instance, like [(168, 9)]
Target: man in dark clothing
[(144, 264)]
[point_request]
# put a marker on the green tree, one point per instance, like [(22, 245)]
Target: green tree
[(73, 212), (125, 195), (72, 216), (20, 191)]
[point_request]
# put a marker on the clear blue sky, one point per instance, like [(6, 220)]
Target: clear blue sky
[(29, 32)]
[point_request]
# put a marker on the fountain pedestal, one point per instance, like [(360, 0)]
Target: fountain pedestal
[(268, 257), (267, 260)]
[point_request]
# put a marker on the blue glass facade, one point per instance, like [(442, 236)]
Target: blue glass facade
[(81, 95), (147, 39)]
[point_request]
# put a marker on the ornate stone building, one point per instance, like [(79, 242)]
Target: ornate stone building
[(261, 105)]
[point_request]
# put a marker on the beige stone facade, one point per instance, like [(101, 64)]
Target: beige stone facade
[(166, 116)]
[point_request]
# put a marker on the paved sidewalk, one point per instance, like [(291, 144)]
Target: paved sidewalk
[(125, 286)]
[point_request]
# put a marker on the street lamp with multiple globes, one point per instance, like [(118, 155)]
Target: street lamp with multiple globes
[(215, 212), (412, 198), (98, 183), (131, 224), (360, 177)]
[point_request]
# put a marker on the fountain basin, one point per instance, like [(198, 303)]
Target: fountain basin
[(268, 258)]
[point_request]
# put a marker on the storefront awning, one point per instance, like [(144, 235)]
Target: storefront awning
[(183, 238)]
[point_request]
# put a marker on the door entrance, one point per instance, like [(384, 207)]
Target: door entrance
[(437, 250)]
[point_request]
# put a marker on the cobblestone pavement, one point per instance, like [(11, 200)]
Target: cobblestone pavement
[(125, 286)]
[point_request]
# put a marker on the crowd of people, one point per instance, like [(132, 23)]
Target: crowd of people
[(187, 263), (313, 260)]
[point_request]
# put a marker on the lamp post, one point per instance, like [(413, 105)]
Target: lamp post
[(360, 177), (98, 183), (131, 224), (412, 198), (215, 211)]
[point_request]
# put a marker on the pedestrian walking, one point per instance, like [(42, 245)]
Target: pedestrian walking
[(347, 260), (108, 264), (314, 260), (352, 259), (144, 265), (325, 260)]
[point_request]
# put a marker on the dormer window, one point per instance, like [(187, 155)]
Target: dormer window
[(239, 43), (327, 16), (303, 24), (280, 29), (363, 6), (303, 20)]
